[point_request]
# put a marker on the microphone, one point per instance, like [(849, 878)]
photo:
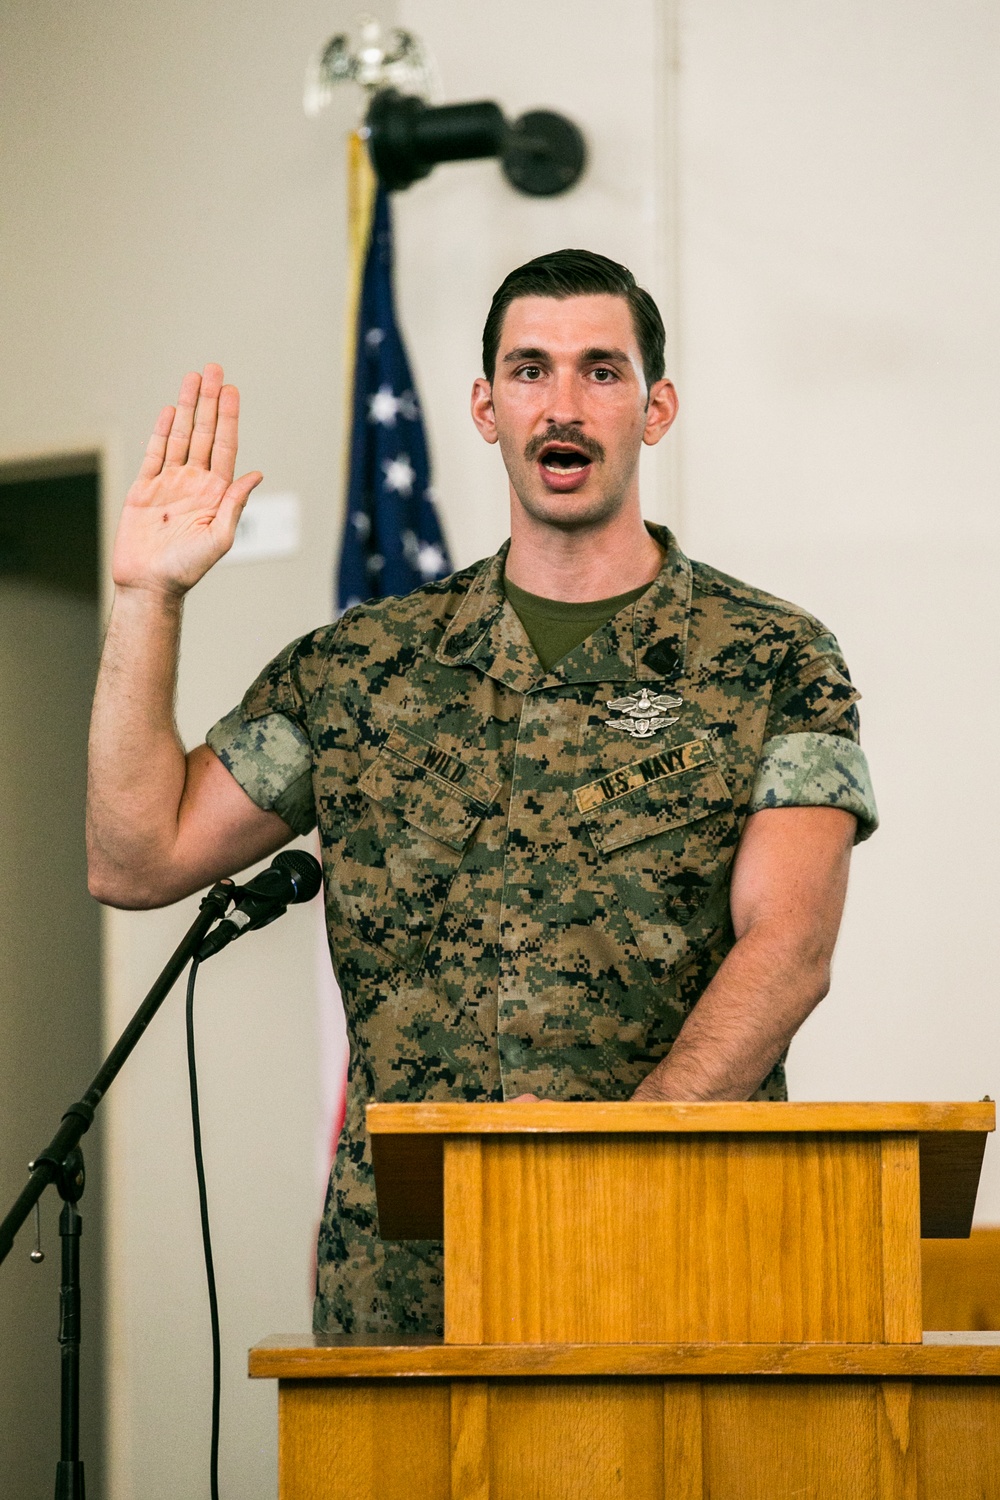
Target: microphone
[(291, 877)]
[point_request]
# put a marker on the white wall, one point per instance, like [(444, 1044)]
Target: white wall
[(840, 378)]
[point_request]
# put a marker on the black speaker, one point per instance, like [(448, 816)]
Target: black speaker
[(541, 153)]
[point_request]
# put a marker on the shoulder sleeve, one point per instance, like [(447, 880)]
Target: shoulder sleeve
[(264, 743), (811, 756)]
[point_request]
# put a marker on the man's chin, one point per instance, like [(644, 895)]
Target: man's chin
[(570, 510)]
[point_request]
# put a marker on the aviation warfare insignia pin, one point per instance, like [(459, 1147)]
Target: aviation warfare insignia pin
[(643, 713)]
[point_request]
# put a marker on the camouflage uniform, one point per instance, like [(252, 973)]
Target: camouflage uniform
[(522, 897)]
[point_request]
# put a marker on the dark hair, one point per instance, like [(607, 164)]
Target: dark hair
[(578, 273)]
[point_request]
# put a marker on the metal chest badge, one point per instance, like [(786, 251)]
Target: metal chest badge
[(643, 713)]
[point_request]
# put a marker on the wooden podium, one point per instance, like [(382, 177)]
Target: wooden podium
[(670, 1300)]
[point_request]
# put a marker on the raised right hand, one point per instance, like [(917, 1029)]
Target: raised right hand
[(181, 513)]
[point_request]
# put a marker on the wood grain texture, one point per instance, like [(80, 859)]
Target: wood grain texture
[(690, 1238), (961, 1280), (628, 1118), (470, 1445), (683, 1440), (464, 1248), (291, 1361), (957, 1439), (407, 1144), (782, 1438), (579, 1439), (381, 1441), (895, 1450), (569, 1440), (901, 1289)]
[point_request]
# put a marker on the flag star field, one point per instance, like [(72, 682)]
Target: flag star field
[(392, 537)]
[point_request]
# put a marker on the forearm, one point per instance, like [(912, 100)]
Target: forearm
[(764, 990), (161, 824), (137, 764)]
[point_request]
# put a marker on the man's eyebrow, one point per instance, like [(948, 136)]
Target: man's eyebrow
[(604, 356), (590, 356), (524, 353)]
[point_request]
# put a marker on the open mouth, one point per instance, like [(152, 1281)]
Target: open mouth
[(562, 461), (565, 457), (564, 464)]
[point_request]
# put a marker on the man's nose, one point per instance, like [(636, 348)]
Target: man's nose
[(563, 406)]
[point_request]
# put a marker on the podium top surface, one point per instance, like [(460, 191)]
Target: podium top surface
[(408, 1143), (313, 1357), (632, 1118)]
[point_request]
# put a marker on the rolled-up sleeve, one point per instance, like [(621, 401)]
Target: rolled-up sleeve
[(265, 743), (816, 770), (271, 759), (811, 756)]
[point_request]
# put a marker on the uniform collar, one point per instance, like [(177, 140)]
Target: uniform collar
[(645, 641)]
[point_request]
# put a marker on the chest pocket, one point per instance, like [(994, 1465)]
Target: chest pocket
[(666, 828), (398, 864)]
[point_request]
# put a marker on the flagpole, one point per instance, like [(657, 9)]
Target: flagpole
[(361, 186)]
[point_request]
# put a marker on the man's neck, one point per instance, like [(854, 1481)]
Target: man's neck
[(578, 566)]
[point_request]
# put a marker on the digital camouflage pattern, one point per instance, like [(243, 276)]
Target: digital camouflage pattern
[(272, 761), (813, 770), (520, 899)]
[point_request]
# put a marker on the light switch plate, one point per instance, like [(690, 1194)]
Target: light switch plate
[(270, 526)]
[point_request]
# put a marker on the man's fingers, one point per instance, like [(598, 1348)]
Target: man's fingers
[(157, 445), (226, 434), (203, 432), (232, 505), (180, 428)]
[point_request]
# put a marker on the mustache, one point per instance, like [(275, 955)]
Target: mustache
[(570, 435)]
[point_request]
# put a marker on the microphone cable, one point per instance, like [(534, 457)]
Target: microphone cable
[(292, 876), (206, 1235)]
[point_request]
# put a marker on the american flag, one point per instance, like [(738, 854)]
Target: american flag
[(392, 538)]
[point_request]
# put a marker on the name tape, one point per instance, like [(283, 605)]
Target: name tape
[(642, 772)]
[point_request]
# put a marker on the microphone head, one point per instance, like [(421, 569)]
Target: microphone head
[(305, 871)]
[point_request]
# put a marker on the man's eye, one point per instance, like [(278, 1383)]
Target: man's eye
[(603, 374), (530, 372)]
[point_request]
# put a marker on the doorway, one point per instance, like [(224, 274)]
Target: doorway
[(50, 940)]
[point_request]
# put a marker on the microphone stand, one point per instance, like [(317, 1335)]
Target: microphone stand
[(62, 1163)]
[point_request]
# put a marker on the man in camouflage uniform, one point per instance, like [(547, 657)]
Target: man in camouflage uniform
[(608, 867)]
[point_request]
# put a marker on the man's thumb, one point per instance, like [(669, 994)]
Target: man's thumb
[(232, 505)]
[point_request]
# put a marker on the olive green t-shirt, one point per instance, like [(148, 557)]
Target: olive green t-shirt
[(554, 627)]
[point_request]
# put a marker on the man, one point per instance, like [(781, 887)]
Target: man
[(586, 808)]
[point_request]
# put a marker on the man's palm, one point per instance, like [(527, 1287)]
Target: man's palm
[(181, 513)]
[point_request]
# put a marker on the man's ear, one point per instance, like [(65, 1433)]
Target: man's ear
[(482, 409), (661, 410)]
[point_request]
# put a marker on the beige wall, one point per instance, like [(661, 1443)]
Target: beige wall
[(50, 1005), (840, 380), (167, 202), (462, 230)]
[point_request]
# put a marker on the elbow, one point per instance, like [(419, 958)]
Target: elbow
[(100, 881), (821, 983), (124, 889), (118, 893), (814, 977), (797, 960)]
